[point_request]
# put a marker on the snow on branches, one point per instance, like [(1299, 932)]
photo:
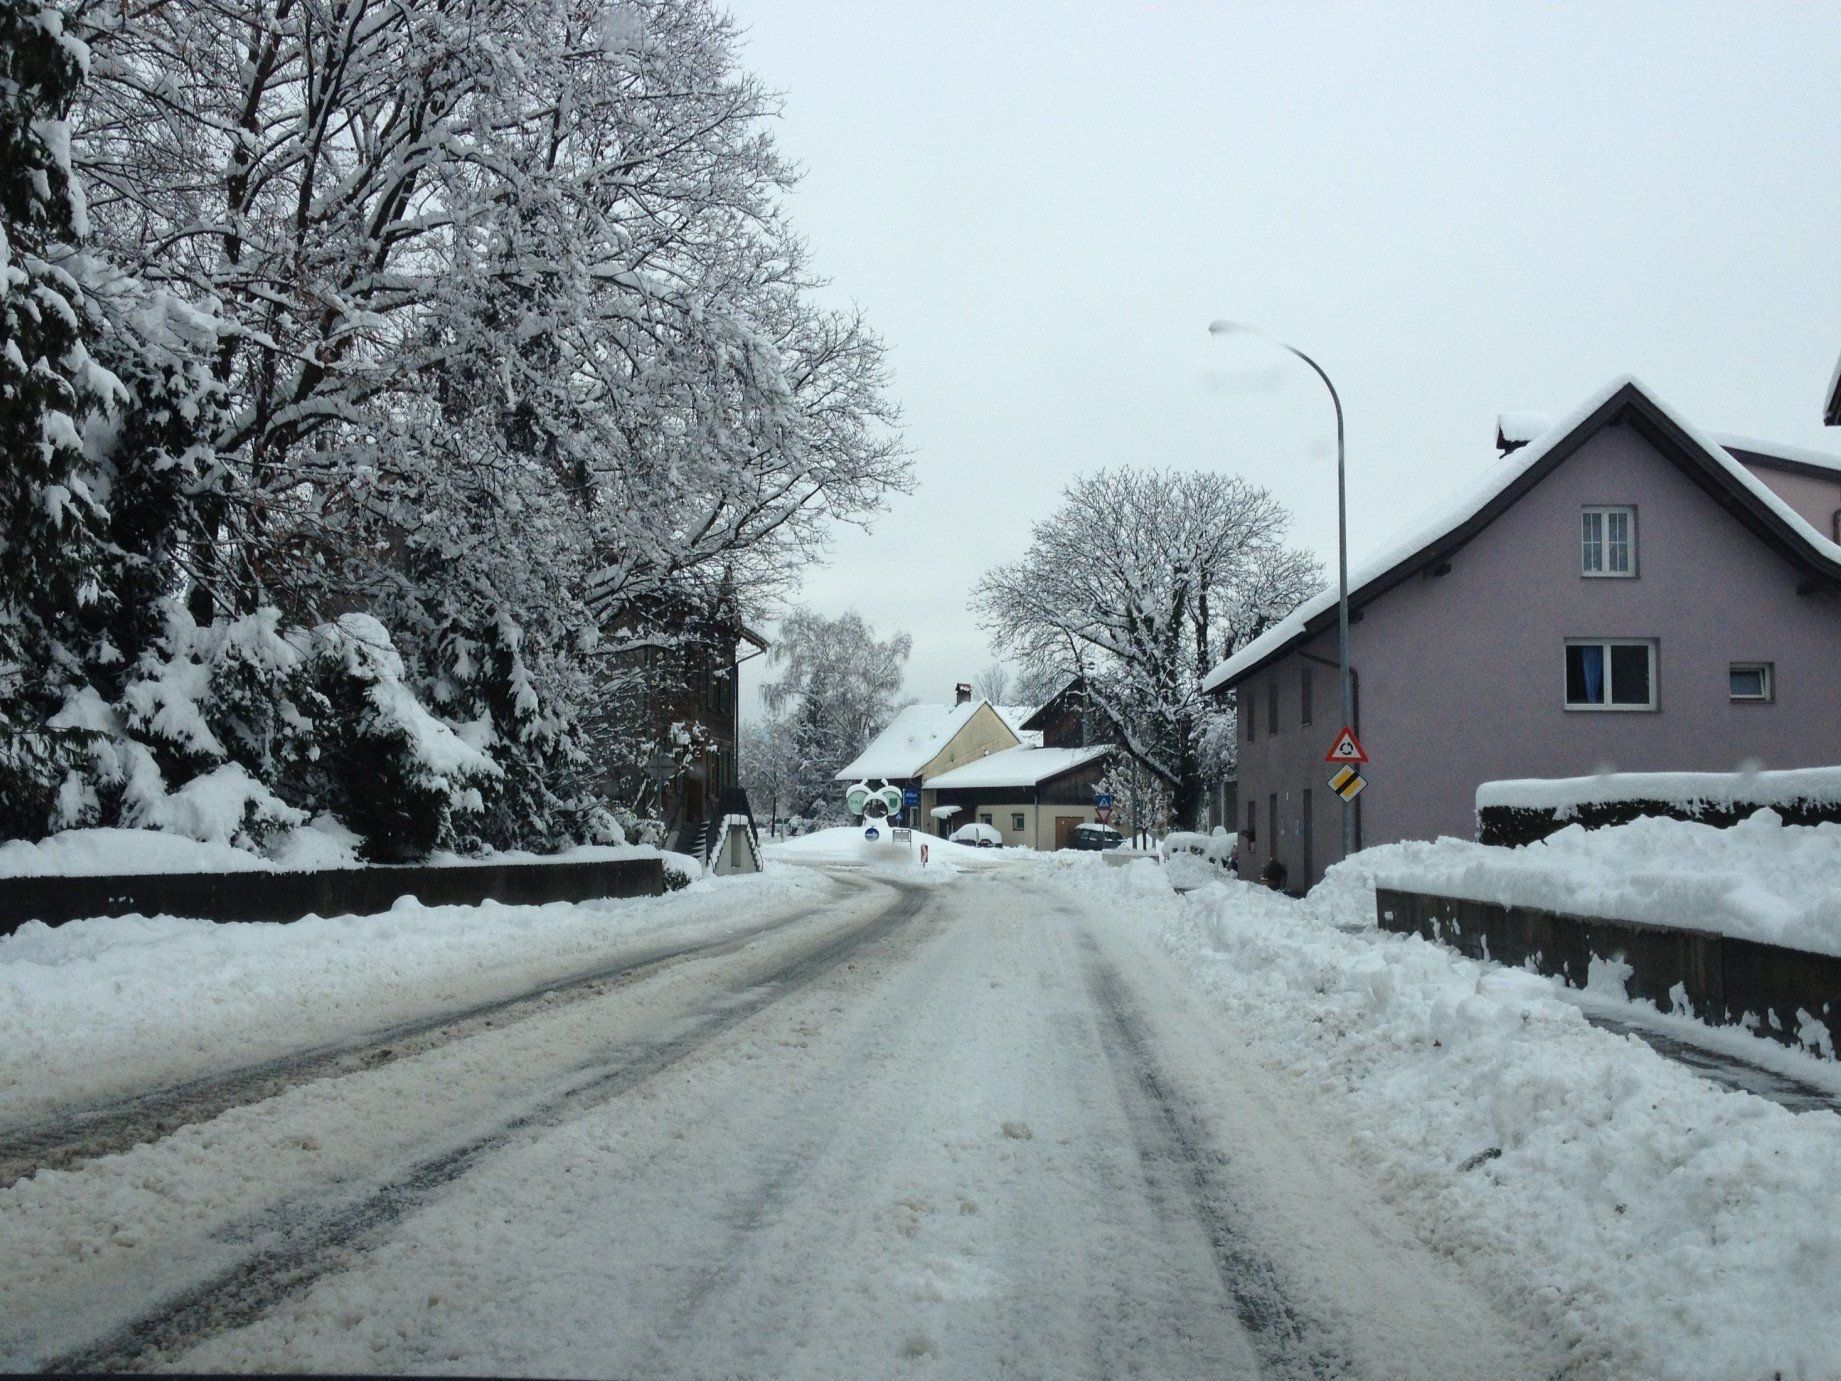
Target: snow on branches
[(1138, 584), (480, 320)]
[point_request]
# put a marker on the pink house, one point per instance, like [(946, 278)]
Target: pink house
[(1623, 592)]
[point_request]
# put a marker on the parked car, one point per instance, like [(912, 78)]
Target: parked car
[(1094, 837), (981, 835)]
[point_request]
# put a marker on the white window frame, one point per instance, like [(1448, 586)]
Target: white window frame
[(1768, 671), (1603, 513), (1655, 695), (1017, 822)]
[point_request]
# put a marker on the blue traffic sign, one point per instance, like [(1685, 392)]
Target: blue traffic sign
[(910, 797), (1103, 800), (872, 833)]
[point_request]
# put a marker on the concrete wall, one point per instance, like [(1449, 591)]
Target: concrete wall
[(1724, 981), (284, 897), (1461, 676)]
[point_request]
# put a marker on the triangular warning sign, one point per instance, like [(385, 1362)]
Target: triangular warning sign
[(1347, 748)]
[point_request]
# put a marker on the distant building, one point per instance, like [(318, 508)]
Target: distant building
[(1623, 592), (922, 741), (1034, 796)]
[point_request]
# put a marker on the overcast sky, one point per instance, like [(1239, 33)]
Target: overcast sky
[(1458, 209)]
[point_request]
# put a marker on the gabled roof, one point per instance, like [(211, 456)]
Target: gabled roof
[(1832, 413), (1068, 697), (913, 739), (1625, 400), (1023, 766)]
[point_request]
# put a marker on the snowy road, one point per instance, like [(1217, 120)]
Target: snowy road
[(969, 1129)]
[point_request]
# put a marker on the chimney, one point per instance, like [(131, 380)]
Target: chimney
[(1516, 429), (964, 690)]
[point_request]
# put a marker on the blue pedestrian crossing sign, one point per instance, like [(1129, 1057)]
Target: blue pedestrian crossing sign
[(1103, 800)]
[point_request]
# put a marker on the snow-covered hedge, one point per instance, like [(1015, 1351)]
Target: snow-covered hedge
[(1522, 811)]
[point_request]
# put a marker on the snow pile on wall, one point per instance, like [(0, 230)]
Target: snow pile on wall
[(1663, 1226), (1685, 789), (1759, 880)]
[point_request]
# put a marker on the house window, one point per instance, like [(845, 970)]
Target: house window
[(984, 817), (1304, 706), (1252, 822), (1607, 674), (1272, 820), (1248, 713), (1607, 542), (1016, 822), (1750, 680), (1272, 704)]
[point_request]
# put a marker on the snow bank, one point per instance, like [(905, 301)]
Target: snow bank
[(1664, 1227), (846, 844), (1686, 789), (98, 1007), (1759, 880)]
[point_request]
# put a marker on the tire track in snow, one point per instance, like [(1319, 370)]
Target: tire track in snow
[(1179, 1163), (294, 1244), (122, 1123)]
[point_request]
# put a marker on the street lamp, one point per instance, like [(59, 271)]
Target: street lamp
[(1237, 328)]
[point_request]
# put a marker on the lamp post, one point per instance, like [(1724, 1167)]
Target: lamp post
[(1236, 328)]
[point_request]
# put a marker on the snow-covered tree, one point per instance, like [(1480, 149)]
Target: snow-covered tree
[(1137, 585), (53, 519), (839, 685), (1036, 682), (993, 684), (530, 251), (769, 769)]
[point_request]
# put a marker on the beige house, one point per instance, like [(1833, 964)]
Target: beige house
[(924, 741), (1033, 797)]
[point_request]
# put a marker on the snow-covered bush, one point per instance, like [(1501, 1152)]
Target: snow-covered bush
[(388, 768)]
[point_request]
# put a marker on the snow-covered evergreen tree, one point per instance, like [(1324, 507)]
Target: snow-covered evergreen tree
[(53, 525)]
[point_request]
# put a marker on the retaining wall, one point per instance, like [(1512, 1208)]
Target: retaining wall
[(264, 896), (1724, 981)]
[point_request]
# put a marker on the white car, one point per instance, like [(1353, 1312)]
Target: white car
[(984, 836)]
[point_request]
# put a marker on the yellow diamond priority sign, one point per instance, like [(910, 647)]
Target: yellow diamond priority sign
[(1348, 783)]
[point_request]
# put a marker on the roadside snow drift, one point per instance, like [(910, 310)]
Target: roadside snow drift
[(111, 1005), (1663, 1226)]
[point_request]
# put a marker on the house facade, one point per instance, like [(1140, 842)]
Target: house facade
[(1624, 593), (1033, 796)]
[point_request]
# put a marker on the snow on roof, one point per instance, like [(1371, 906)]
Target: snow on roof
[(1016, 716), (1473, 500), (1522, 427), (913, 739), (1777, 450), (1025, 766)]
